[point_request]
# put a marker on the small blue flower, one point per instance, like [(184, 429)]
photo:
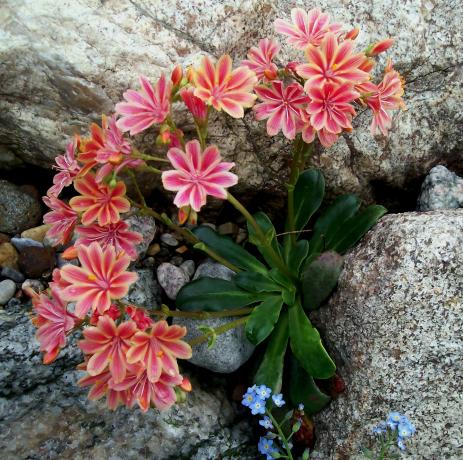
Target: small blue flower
[(249, 397), (300, 407), (380, 428), (278, 400), (265, 446), (401, 444), (404, 421), (266, 423), (393, 419), (404, 431), (263, 392), (257, 407)]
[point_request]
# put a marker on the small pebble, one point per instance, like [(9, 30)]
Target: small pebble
[(12, 274), (8, 255), (176, 260), (14, 304), (35, 261), (172, 279), (36, 285), (22, 243), (149, 262), (241, 236), (169, 239), (188, 267), (229, 228), (7, 291), (153, 249), (182, 249), (36, 233)]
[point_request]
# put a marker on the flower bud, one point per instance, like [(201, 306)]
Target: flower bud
[(186, 385), (379, 47), (190, 74), (270, 74), (183, 214), (69, 253), (352, 34), (176, 75)]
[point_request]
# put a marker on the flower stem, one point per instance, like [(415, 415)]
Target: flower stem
[(281, 434), (218, 330), (276, 258), (149, 169), (137, 187), (145, 156)]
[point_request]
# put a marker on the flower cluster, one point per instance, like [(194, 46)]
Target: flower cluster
[(259, 399), (396, 427)]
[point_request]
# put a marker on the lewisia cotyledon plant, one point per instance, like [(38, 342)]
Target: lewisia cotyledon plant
[(131, 352)]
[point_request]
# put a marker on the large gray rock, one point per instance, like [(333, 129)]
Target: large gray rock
[(232, 348), (65, 64), (56, 421), (172, 279), (21, 367), (145, 292), (395, 327), (442, 189), (18, 210)]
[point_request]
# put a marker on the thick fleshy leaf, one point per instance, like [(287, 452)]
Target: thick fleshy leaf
[(354, 228), (270, 372), (303, 389), (296, 256), (212, 294), (307, 346), (256, 282), (263, 318), (308, 196), (229, 250), (328, 224), (319, 278), (268, 229), (288, 291)]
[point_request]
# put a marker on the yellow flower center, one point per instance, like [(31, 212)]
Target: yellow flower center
[(92, 277), (160, 354)]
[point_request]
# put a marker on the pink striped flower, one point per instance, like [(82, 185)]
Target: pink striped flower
[(101, 277), (67, 167), (142, 320), (332, 62), (223, 88), (388, 97), (146, 107), (54, 322), (194, 104), (100, 387), (260, 59), (308, 132), (307, 28), (159, 349), (197, 175), (99, 202), (62, 219), (281, 106), (141, 390), (108, 344), (330, 107), (117, 235)]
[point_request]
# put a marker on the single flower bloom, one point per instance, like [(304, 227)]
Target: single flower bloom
[(99, 202), (159, 349), (197, 174), (223, 88), (278, 400), (100, 387), (142, 320), (62, 219), (117, 235), (332, 62), (260, 59), (67, 167), (281, 106), (101, 278), (250, 396), (108, 344), (54, 322), (194, 104), (388, 97), (141, 390), (263, 392), (266, 447), (266, 423), (306, 28), (257, 407), (144, 108), (330, 107)]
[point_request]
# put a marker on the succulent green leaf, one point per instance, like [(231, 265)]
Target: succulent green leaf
[(270, 371), (303, 389), (319, 278), (256, 282), (307, 346), (263, 318), (213, 294), (268, 229), (296, 256), (229, 250)]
